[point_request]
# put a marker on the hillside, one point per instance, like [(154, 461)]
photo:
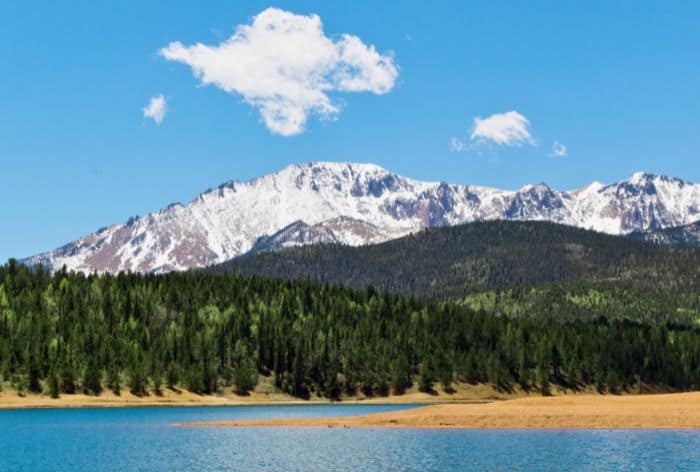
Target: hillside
[(686, 235), (453, 261), (65, 333)]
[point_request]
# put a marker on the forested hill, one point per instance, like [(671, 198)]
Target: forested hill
[(451, 262), (688, 235), (67, 332)]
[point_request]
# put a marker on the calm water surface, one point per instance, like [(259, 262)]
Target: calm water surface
[(141, 439)]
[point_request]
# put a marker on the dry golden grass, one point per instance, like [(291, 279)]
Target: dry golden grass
[(264, 393), (10, 399), (677, 410)]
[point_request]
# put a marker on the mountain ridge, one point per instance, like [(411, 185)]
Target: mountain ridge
[(686, 235), (227, 221), (458, 261)]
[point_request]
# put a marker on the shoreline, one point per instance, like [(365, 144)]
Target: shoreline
[(265, 395), (79, 401), (10, 400), (657, 411)]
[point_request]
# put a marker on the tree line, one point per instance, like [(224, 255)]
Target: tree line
[(66, 332)]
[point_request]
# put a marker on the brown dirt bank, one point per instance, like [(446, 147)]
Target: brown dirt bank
[(264, 394), (125, 399), (677, 410)]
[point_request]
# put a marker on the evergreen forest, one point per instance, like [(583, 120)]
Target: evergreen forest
[(67, 332)]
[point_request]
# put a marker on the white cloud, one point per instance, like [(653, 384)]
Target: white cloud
[(456, 144), (156, 109), (506, 129), (559, 150), (284, 65)]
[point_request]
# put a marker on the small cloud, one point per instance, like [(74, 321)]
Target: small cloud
[(456, 144), (559, 150), (285, 66), (156, 109), (505, 129)]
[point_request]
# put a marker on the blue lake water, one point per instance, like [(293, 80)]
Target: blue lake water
[(142, 439)]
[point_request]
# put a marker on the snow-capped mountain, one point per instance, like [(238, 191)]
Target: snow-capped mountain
[(342, 230), (357, 204)]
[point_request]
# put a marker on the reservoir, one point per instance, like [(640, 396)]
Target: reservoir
[(144, 439)]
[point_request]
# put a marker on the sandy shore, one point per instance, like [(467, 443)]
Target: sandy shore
[(678, 410)]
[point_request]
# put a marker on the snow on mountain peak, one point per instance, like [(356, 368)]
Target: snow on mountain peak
[(357, 204), (641, 177), (587, 190)]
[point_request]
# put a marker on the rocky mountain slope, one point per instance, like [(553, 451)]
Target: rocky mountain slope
[(357, 204)]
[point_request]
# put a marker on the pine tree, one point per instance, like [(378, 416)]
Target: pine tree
[(173, 375), (34, 382), (298, 382), (244, 375), (114, 381), (195, 380), (68, 378), (54, 384), (157, 381), (543, 380), (427, 376), (19, 383), (92, 380), (137, 379), (613, 382), (401, 375), (525, 378)]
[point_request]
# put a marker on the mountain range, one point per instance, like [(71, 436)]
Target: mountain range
[(358, 204)]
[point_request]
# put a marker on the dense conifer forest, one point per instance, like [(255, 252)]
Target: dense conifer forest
[(69, 332), (453, 262)]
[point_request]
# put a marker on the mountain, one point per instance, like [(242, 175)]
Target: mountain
[(340, 230), (686, 235), (357, 204), (452, 262)]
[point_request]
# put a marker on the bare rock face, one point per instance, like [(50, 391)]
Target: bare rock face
[(357, 204)]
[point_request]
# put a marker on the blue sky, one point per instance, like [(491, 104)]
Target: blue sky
[(616, 83)]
